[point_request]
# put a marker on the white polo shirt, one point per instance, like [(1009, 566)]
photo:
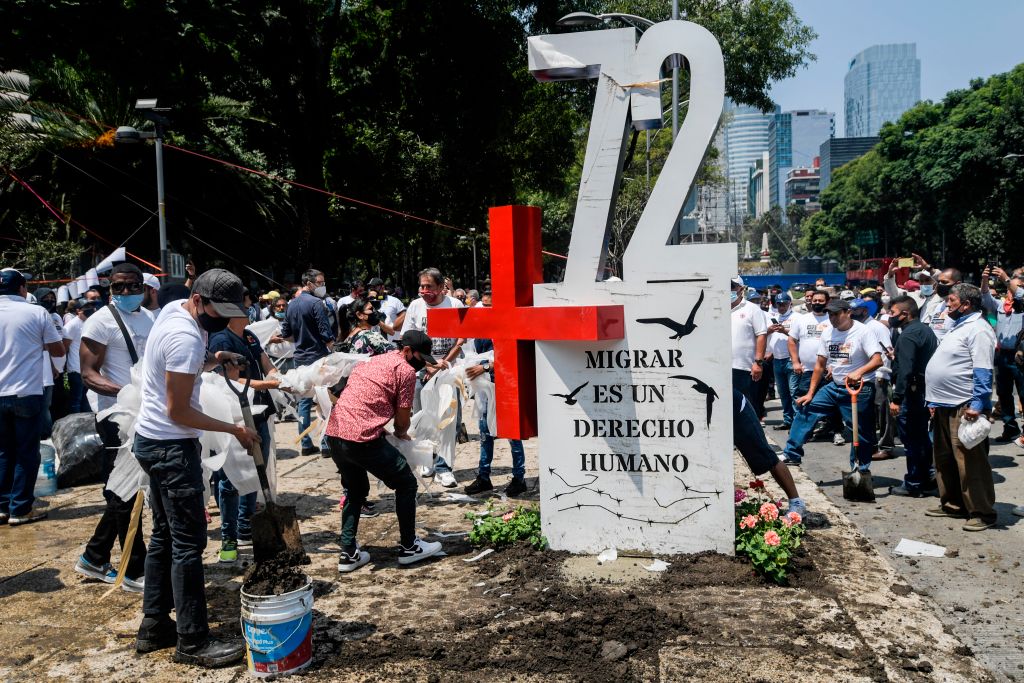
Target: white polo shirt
[(117, 362), (176, 344), (748, 322), (778, 342), (25, 330), (73, 333)]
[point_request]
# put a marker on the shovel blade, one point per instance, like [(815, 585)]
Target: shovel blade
[(276, 535), (857, 486)]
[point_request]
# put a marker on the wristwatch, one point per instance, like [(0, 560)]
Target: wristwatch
[(759, 361)]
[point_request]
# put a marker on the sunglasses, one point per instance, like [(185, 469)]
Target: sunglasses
[(126, 287)]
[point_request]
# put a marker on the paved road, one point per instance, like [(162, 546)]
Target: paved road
[(980, 589)]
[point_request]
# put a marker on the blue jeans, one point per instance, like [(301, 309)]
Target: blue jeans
[(19, 452), (305, 411), (45, 418), (236, 511), (912, 424), (487, 454), (77, 403), (175, 578), (784, 386), (829, 399)]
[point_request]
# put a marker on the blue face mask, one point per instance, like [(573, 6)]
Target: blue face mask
[(128, 303), (733, 296), (279, 315)]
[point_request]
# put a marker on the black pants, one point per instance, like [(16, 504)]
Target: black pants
[(113, 524), (174, 566), (378, 457)]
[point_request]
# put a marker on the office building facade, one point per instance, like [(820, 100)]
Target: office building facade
[(835, 152), (745, 140), (882, 82), (794, 140)]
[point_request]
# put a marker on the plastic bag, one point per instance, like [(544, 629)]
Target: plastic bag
[(325, 372), (416, 453), (971, 433), (264, 330), (79, 449)]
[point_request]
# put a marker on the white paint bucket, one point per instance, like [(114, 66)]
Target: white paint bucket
[(278, 631)]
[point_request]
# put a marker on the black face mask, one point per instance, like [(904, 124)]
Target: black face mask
[(956, 315), (818, 308), (416, 363), (211, 324), (373, 318), (50, 306), (943, 290)]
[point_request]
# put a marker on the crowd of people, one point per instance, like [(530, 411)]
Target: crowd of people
[(923, 356), (917, 360)]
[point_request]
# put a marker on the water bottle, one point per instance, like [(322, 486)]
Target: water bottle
[(46, 480)]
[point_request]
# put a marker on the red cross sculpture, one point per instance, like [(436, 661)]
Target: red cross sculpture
[(514, 324)]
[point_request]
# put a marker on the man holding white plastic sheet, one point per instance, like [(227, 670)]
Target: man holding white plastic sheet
[(167, 447), (377, 392)]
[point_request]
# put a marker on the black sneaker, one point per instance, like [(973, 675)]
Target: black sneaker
[(311, 450), (516, 487), (209, 653), (156, 634), (479, 485), (369, 510), (1010, 432), (902, 490)]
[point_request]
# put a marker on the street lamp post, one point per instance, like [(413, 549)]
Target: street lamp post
[(128, 134)]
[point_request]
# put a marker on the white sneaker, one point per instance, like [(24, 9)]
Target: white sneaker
[(350, 563), (445, 479), (133, 585), (426, 472), (420, 550), (838, 439), (1019, 510)]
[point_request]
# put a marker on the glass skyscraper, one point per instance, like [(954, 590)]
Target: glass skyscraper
[(745, 138), (794, 138), (883, 82)]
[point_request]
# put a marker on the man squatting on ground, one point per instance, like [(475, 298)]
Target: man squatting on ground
[(167, 447), (749, 439), (377, 392)]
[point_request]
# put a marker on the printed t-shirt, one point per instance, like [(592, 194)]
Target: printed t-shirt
[(807, 331), (847, 350)]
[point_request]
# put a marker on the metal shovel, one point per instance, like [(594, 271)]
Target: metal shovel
[(275, 528), (857, 485)]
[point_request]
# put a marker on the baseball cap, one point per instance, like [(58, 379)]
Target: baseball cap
[(418, 341), (922, 273), (11, 280), (375, 282), (911, 286), (867, 290), (272, 294), (737, 281), (783, 298), (224, 291), (151, 281), (836, 305), (847, 295), (753, 294)]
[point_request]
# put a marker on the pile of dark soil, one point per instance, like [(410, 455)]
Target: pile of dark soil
[(273, 577), (533, 620)]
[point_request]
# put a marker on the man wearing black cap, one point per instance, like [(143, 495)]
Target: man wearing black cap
[(167, 446), (26, 331), (378, 391), (848, 350)]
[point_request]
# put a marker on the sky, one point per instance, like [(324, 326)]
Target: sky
[(956, 42)]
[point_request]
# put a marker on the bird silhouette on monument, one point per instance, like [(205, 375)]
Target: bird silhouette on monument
[(681, 330), (570, 399), (703, 388)]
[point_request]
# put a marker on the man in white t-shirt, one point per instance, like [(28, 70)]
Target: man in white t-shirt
[(81, 311), (778, 348), (849, 351), (106, 364), (444, 349), (167, 447), (749, 340), (150, 299), (26, 330), (392, 307)]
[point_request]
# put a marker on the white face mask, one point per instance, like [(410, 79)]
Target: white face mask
[(886, 299), (320, 292)]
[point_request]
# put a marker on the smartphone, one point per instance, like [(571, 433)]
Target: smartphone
[(906, 263), (775, 321)]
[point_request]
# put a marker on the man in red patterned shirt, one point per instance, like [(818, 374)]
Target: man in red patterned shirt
[(378, 391)]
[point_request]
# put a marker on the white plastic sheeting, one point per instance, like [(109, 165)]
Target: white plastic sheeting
[(264, 330)]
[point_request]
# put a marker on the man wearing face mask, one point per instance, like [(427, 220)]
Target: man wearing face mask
[(939, 321), (307, 323), (749, 340), (958, 387), (1009, 314), (925, 296), (915, 346), (804, 338), (107, 354), (377, 392), (166, 445), (778, 349), (864, 311)]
